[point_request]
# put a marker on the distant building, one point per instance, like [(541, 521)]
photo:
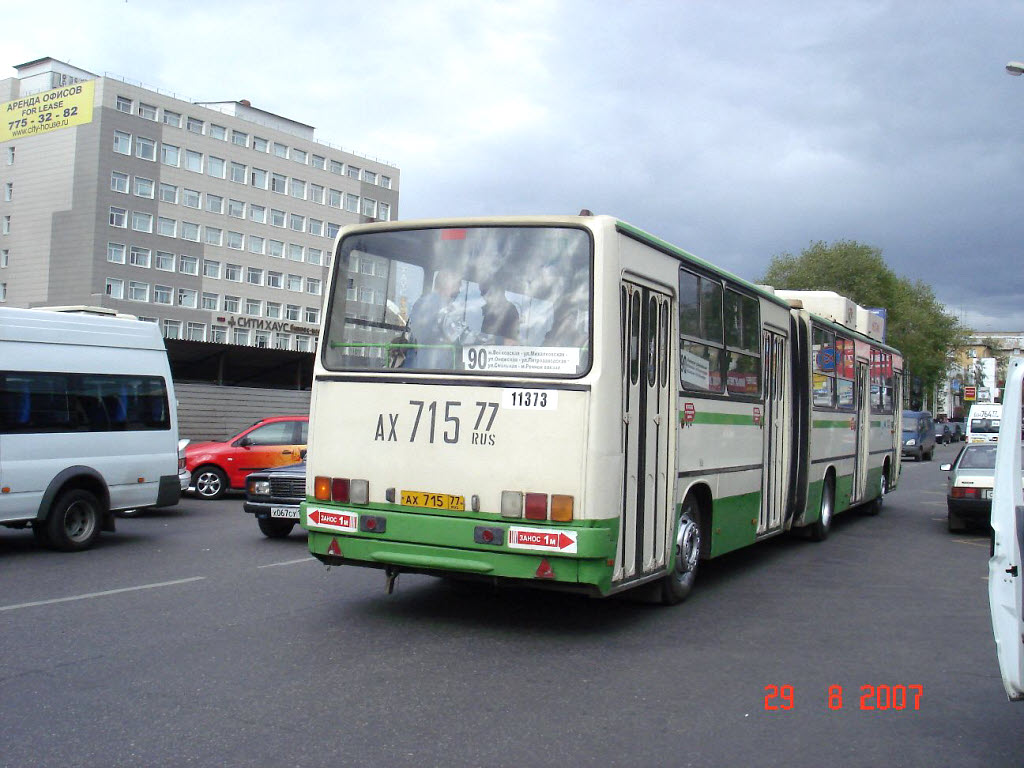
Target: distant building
[(215, 220)]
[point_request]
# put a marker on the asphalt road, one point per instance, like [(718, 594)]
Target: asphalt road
[(187, 638)]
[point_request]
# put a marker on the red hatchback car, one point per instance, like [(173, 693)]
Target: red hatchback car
[(270, 442)]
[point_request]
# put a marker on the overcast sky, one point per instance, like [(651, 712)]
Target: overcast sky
[(737, 130)]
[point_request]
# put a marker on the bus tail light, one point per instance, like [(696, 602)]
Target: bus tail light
[(341, 490), (561, 508), (359, 491), (536, 506), (322, 488), (511, 504)]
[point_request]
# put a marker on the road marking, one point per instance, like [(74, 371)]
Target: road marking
[(972, 542), (91, 595), (286, 562)]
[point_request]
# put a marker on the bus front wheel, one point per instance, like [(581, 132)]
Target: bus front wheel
[(677, 586)]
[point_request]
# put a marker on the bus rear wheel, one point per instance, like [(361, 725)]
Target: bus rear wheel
[(678, 584), (75, 521), (818, 531)]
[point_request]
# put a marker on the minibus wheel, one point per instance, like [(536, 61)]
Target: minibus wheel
[(75, 521), (678, 584)]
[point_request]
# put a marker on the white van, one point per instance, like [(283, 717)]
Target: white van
[(88, 423), (983, 423)]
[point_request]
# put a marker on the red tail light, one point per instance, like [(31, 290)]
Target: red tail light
[(339, 490), (536, 506), (965, 493)]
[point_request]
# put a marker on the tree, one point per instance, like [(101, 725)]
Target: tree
[(916, 324)]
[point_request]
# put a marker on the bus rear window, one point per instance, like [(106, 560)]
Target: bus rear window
[(475, 299)]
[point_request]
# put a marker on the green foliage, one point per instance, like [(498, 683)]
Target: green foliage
[(917, 324)]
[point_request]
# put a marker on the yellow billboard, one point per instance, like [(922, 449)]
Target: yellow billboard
[(47, 111)]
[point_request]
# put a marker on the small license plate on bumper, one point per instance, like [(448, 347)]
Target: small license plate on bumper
[(433, 500), (291, 513)]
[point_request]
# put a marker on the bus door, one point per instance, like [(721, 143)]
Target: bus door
[(775, 475), (862, 395), (897, 427), (647, 426)]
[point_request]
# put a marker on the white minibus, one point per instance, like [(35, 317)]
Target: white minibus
[(88, 423)]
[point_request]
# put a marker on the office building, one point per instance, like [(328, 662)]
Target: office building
[(215, 219)]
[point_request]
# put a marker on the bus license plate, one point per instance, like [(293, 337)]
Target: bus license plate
[(289, 512), (433, 500)]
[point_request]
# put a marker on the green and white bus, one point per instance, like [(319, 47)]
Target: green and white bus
[(570, 402)]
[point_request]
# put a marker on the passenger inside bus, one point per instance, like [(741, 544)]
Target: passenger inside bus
[(499, 318), (428, 326)]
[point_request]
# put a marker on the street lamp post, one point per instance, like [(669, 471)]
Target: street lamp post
[(1015, 68)]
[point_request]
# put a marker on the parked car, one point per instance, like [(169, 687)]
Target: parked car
[(271, 442), (274, 496), (918, 435), (969, 487)]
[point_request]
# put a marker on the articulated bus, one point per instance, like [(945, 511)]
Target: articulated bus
[(570, 402)]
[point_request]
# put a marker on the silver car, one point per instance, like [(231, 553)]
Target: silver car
[(969, 487)]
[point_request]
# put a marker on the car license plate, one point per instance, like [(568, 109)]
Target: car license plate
[(433, 500), (289, 512), (986, 493)]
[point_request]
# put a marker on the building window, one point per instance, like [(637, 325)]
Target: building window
[(312, 315), (170, 155), (231, 304), (5, 227), (211, 268), (314, 255), (5, 258), (257, 213), (280, 150), (139, 257), (253, 307), (164, 260), (254, 275), (195, 125), (256, 244), (115, 253), (278, 183), (188, 298), (144, 187), (302, 343), (295, 251), (10, 152), (369, 177), (316, 193), (145, 148), (195, 331), (147, 111), (297, 188), (236, 208), (275, 248), (218, 132), (118, 218), (240, 138), (124, 104), (8, 191), (295, 284), (258, 144), (299, 155), (216, 166), (351, 202), (353, 172), (277, 218), (291, 312), (214, 203), (258, 178), (166, 227), (194, 161), (316, 227), (210, 301), (172, 118), (168, 193), (313, 285), (334, 198), (332, 229), (318, 162), (213, 235), (337, 167), (238, 173), (236, 240), (118, 181), (274, 310), (369, 208), (274, 279), (261, 339), (233, 272), (190, 231), (122, 145), (142, 222), (385, 181), (188, 265), (3, 291), (138, 291), (172, 329), (240, 336), (219, 334), (190, 198), (115, 288), (384, 212), (297, 222)]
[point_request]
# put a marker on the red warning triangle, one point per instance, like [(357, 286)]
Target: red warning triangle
[(334, 549), (544, 571)]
